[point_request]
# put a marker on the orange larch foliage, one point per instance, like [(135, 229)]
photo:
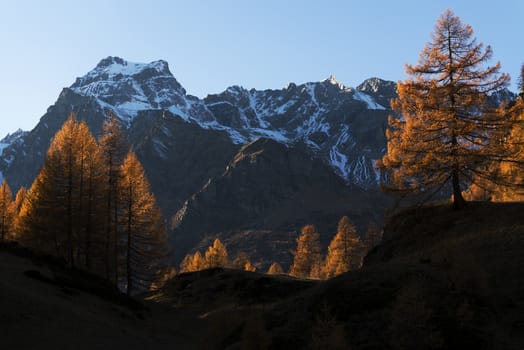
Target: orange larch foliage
[(144, 232), (7, 212), (447, 130), (307, 262), (345, 251)]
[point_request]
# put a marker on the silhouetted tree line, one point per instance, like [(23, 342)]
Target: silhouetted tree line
[(91, 205)]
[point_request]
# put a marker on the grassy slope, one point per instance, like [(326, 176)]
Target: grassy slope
[(440, 279), (45, 306)]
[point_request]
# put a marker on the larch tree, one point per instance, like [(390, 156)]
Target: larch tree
[(47, 212), (275, 269), (91, 191), (345, 250), (307, 260), (511, 168), (249, 267), (216, 255), (7, 211), (446, 128), (19, 200), (114, 148), (52, 215), (192, 263), (142, 226)]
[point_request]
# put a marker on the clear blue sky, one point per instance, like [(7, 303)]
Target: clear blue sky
[(211, 45)]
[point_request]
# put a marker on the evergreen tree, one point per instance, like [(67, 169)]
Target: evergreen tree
[(249, 267), (90, 192), (192, 262), (216, 255), (114, 149), (447, 127), (142, 226), (51, 215), (7, 212), (307, 261), (345, 250), (511, 169), (19, 199), (275, 269)]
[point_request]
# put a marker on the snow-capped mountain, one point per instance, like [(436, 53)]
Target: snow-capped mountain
[(16, 137), (251, 166), (330, 120)]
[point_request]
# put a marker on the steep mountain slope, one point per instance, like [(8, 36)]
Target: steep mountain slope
[(267, 192), (179, 157)]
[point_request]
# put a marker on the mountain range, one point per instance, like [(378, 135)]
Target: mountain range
[(249, 166)]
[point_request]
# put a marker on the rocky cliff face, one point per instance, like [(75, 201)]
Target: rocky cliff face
[(266, 194)]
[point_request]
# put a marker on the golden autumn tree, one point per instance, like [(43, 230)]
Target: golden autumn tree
[(446, 130), (249, 267), (216, 255), (307, 260), (512, 167), (90, 192), (7, 212), (345, 250), (192, 263), (143, 230), (19, 199), (275, 269), (114, 148), (52, 215)]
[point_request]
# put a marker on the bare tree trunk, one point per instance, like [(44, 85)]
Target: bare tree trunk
[(128, 257)]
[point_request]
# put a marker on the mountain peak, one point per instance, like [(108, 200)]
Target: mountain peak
[(375, 85), (113, 68), (333, 81), (109, 60), (128, 87)]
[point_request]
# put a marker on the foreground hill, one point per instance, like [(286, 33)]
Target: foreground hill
[(440, 279), (43, 305)]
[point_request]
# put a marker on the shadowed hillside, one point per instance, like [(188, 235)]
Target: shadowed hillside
[(441, 279)]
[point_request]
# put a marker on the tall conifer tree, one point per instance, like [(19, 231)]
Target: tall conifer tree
[(307, 261), (114, 149), (447, 127), (53, 214), (216, 255), (142, 226), (345, 250), (7, 211)]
